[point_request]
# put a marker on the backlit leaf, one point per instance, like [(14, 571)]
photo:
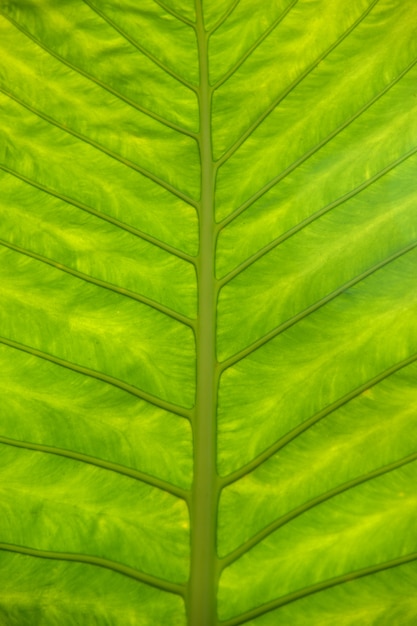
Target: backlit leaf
[(208, 337)]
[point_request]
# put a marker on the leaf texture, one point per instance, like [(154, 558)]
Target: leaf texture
[(208, 344)]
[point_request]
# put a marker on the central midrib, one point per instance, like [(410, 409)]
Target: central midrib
[(202, 588)]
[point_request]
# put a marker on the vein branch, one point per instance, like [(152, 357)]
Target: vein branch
[(110, 380), (119, 568), (307, 506), (102, 283), (153, 481), (298, 227), (226, 156), (100, 83), (274, 181), (304, 426), (314, 307), (139, 47), (254, 46), (117, 157), (322, 586), (107, 218), (171, 11), (224, 18)]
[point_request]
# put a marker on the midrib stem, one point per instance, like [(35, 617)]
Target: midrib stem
[(202, 588)]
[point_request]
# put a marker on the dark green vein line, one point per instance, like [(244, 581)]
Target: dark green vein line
[(117, 157), (312, 151), (110, 380), (304, 426), (174, 13), (278, 240), (307, 506), (253, 47), (106, 218), (153, 481), (141, 49), (226, 156), (119, 568), (102, 283), (327, 584), (98, 82), (314, 307), (223, 19)]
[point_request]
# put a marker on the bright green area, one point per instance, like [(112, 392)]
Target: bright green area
[(80, 595), (208, 339)]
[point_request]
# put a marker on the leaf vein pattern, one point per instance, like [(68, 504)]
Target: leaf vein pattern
[(139, 47), (314, 307), (174, 13), (327, 584), (102, 283), (104, 150), (123, 470), (107, 218), (313, 150), (153, 581), (254, 46), (304, 426), (115, 382), (307, 506), (226, 156), (224, 17), (98, 82), (278, 240)]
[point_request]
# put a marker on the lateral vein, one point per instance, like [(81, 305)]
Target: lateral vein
[(327, 584), (174, 13), (123, 470), (277, 179), (110, 380), (314, 307), (125, 570), (98, 82), (141, 49), (310, 504), (254, 46), (304, 426), (224, 18), (226, 156), (117, 157), (107, 218), (102, 283), (298, 227)]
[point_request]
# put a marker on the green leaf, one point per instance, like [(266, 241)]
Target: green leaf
[(208, 301)]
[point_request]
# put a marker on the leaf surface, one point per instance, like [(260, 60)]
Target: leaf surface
[(207, 333)]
